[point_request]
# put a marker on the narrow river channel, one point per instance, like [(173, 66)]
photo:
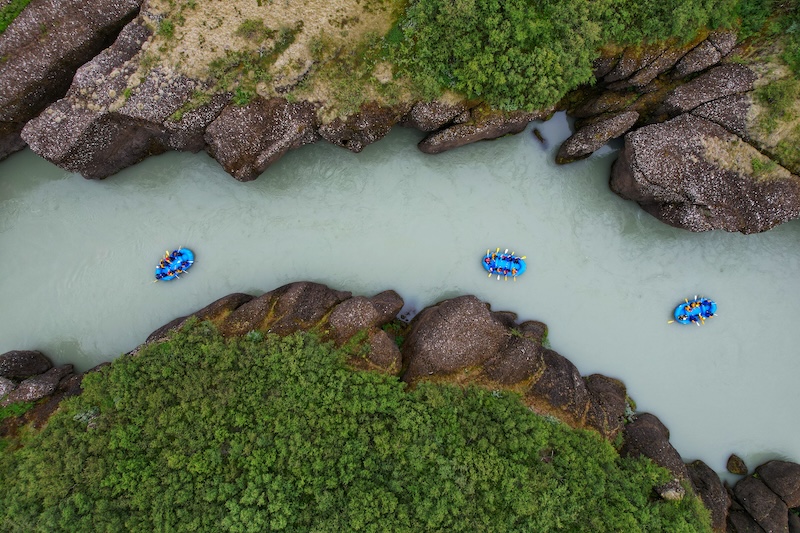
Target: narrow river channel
[(77, 258)]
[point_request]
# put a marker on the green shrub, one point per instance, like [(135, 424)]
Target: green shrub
[(10, 11), (166, 28), (259, 434), (254, 30)]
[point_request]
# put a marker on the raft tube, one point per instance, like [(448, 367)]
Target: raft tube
[(504, 264), (180, 261), (695, 311)]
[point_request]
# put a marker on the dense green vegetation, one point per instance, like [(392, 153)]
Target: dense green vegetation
[(10, 11), (524, 54), (267, 433)]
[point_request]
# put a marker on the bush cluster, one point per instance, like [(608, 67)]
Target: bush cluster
[(277, 434)]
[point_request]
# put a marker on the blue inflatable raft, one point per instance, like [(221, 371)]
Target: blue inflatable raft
[(504, 264), (172, 265), (695, 311)]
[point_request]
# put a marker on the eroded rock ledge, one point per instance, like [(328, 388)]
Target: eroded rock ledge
[(462, 341), (115, 113)]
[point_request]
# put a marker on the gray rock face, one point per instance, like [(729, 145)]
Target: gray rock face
[(21, 364), (707, 485), (488, 126), (388, 304), (783, 478), (590, 138), (41, 51), (698, 59), (649, 437), (730, 112), (766, 508), (693, 174), (6, 386), (248, 139), (370, 124), (38, 387), (720, 81), (102, 125), (450, 336), (431, 116)]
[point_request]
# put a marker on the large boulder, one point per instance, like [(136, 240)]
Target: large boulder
[(247, 139), (431, 116), (42, 49), (720, 81), (451, 336), (297, 306), (783, 478), (21, 364), (594, 136), (707, 485), (648, 436), (694, 174), (37, 387), (481, 125), (707, 53), (215, 312), (370, 124), (766, 508)]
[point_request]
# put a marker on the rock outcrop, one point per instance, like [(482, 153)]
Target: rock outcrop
[(693, 174), (41, 50), (480, 125), (707, 485)]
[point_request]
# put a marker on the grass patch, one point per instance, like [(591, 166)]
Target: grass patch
[(15, 410), (778, 98), (263, 433), (10, 11)]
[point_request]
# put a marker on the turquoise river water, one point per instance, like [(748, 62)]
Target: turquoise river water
[(77, 259)]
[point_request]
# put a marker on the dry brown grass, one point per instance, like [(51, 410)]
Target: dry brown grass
[(328, 31)]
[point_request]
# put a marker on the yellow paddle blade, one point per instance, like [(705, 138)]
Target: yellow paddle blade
[(670, 321)]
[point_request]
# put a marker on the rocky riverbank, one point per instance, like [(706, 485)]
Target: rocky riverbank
[(696, 154), (461, 341)]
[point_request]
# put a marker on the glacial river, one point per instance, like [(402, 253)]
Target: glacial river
[(77, 258)]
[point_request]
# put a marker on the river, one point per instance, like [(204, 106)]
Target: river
[(77, 258)]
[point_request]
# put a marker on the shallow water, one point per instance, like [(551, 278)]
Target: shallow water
[(77, 258)]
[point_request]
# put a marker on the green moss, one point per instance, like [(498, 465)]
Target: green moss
[(11, 11)]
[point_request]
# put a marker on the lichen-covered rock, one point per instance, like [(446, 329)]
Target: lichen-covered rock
[(6, 386), (717, 45), (559, 390), (607, 400), (111, 119), (297, 306), (451, 336), (647, 436), (736, 465), (783, 478), (607, 102), (384, 352), (370, 124), (741, 522), (766, 508), (351, 316), (388, 304), (693, 174), (41, 51), (481, 126), (519, 360), (591, 138), (247, 139), (720, 81), (707, 485), (21, 364), (37, 387), (729, 112), (214, 312), (431, 116), (633, 59)]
